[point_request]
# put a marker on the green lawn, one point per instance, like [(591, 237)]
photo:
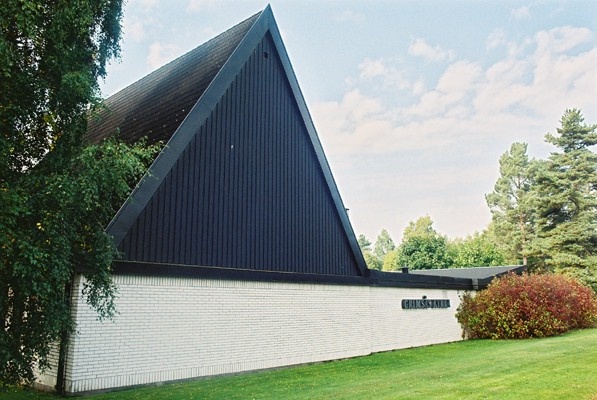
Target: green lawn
[(563, 367)]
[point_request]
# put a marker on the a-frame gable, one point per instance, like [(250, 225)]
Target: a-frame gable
[(243, 182)]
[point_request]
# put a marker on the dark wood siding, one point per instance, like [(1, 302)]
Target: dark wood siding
[(248, 192)]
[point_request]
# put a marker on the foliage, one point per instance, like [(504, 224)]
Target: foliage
[(422, 247), (517, 307), (52, 54), (587, 276), (390, 261), (383, 244), (477, 250), (511, 205), (423, 226), (384, 256), (372, 261), (566, 199), (57, 228), (420, 252), (364, 243), (546, 210), (55, 196)]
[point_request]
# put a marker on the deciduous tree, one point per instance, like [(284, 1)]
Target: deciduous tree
[(477, 250), (56, 196), (422, 247), (390, 262)]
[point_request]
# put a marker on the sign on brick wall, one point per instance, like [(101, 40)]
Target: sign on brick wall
[(424, 303)]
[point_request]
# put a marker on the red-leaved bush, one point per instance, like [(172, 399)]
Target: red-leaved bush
[(523, 306)]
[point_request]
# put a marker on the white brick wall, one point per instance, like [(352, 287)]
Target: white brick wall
[(48, 377), (177, 328), (395, 328)]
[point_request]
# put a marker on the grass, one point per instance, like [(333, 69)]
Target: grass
[(561, 367)]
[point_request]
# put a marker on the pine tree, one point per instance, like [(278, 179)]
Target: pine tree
[(370, 259), (383, 244), (566, 200), (364, 243), (511, 203)]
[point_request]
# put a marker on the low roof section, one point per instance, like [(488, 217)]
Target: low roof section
[(480, 276)]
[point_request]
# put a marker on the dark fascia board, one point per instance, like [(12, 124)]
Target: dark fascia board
[(376, 279), (204, 272), (158, 171)]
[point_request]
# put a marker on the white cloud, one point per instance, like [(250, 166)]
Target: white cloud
[(355, 122), (560, 77), (359, 124), (353, 108), (390, 77), (418, 87), (523, 12), (496, 38), (459, 77), (558, 40), (372, 68), (544, 82), (516, 98), (201, 5), (160, 54), (438, 152), (420, 48), (350, 16), (134, 29), (137, 16), (452, 93)]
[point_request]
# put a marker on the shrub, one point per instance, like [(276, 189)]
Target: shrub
[(517, 307)]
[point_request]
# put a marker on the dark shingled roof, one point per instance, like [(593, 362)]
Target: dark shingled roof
[(156, 105)]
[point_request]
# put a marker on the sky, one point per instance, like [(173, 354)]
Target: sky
[(413, 101)]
